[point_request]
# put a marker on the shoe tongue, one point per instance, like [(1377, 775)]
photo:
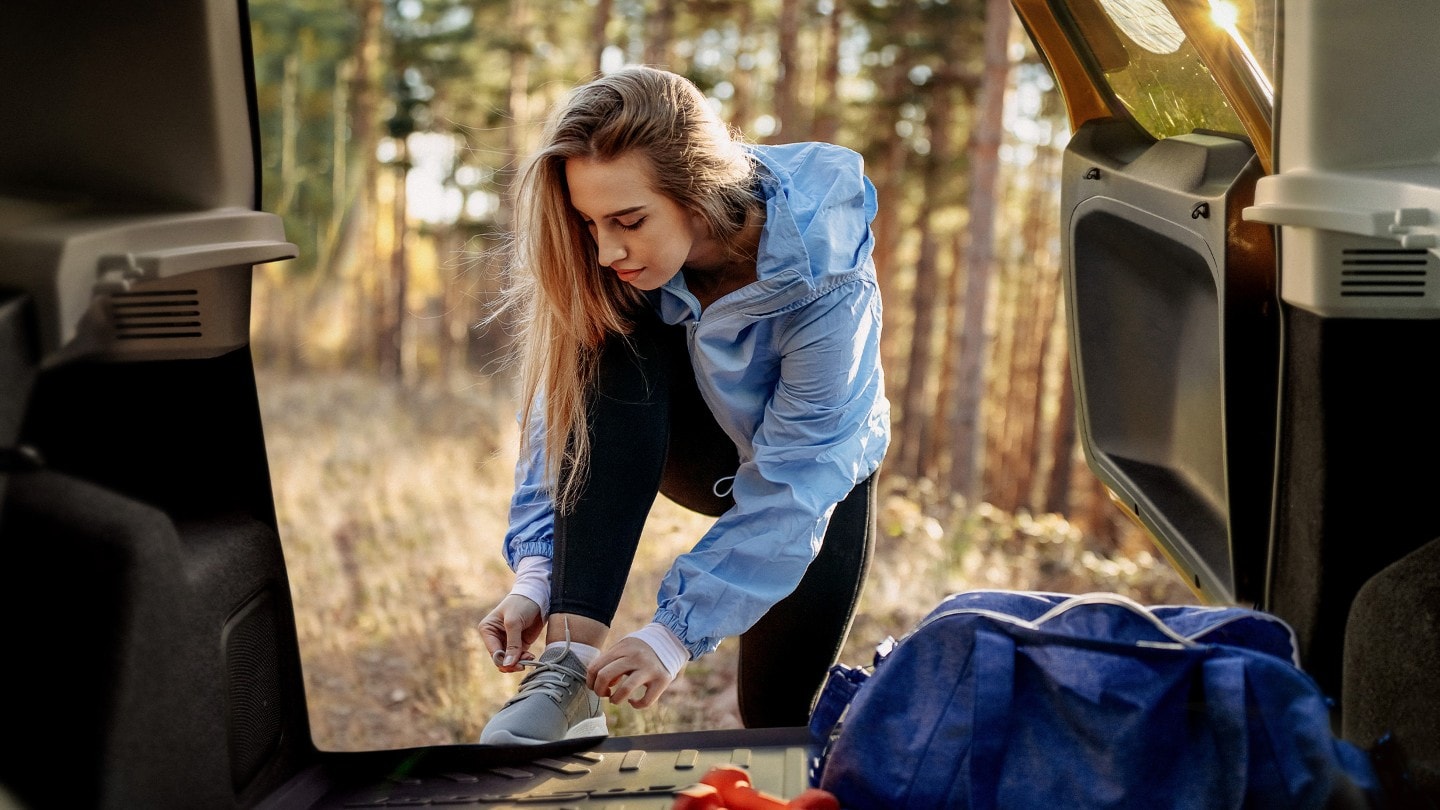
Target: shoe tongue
[(554, 655)]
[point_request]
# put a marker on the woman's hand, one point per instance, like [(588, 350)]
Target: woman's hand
[(628, 670), (510, 629)]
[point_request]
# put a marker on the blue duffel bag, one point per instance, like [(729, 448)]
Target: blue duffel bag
[(1012, 699)]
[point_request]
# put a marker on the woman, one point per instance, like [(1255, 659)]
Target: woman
[(700, 319)]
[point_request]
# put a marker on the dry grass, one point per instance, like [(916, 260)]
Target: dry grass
[(392, 508)]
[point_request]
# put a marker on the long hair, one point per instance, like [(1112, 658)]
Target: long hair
[(569, 305)]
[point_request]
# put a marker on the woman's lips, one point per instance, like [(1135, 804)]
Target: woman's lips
[(629, 275)]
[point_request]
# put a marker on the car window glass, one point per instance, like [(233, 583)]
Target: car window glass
[(1252, 24), (1150, 65)]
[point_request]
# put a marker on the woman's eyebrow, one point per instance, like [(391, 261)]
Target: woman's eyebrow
[(622, 212)]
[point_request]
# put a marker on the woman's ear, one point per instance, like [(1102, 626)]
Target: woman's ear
[(699, 225)]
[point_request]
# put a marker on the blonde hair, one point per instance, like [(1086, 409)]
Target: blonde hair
[(567, 303)]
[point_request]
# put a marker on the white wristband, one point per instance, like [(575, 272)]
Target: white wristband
[(666, 644), (532, 581)]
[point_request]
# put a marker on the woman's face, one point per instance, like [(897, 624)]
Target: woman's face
[(640, 234)]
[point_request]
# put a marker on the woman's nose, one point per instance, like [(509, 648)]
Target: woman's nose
[(610, 251)]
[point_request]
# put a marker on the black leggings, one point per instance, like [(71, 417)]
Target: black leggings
[(651, 432)]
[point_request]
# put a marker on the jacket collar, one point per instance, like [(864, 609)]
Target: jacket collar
[(781, 261)]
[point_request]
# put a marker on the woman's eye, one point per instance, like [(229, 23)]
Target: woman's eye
[(634, 226)]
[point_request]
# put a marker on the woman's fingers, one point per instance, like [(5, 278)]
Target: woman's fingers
[(492, 632), (629, 672), (508, 630), (639, 689), (649, 691)]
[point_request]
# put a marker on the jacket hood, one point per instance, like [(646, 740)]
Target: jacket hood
[(818, 208), (819, 205)]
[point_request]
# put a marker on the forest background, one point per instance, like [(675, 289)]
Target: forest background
[(390, 130)]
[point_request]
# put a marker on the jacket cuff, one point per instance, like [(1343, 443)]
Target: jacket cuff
[(530, 548), (672, 623), (666, 644), (532, 581)]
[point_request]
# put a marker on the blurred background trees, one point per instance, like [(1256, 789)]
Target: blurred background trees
[(390, 129)]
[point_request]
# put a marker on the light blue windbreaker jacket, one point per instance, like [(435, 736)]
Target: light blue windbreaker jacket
[(790, 367)]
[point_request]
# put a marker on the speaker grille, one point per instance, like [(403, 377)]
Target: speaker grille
[(158, 314), (252, 674), (1383, 273)]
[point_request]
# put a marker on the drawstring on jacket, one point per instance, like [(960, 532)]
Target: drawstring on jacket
[(727, 484)]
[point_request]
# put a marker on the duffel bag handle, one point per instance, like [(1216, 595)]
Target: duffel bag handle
[(1112, 617)]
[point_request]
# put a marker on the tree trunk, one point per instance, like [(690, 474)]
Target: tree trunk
[(598, 25), (788, 112), (289, 134), (742, 103), (1100, 518), (399, 269), (339, 153), (917, 456), (1007, 405), (889, 178), (937, 459), (660, 35), (827, 95), (365, 137), (984, 164), (1049, 336), (481, 348), (917, 396), (1032, 420), (518, 98), (1062, 445), (1038, 308)]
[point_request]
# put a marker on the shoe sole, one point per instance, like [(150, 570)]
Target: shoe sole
[(593, 727)]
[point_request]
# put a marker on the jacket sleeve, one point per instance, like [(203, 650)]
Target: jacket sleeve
[(822, 432), (532, 514)]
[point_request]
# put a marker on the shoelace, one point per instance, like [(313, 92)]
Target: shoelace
[(550, 678)]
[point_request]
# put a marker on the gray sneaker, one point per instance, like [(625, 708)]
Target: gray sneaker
[(553, 704)]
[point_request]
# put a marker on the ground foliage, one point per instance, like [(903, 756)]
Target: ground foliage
[(392, 508)]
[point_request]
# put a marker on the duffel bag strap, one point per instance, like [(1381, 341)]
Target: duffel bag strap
[(840, 687)]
